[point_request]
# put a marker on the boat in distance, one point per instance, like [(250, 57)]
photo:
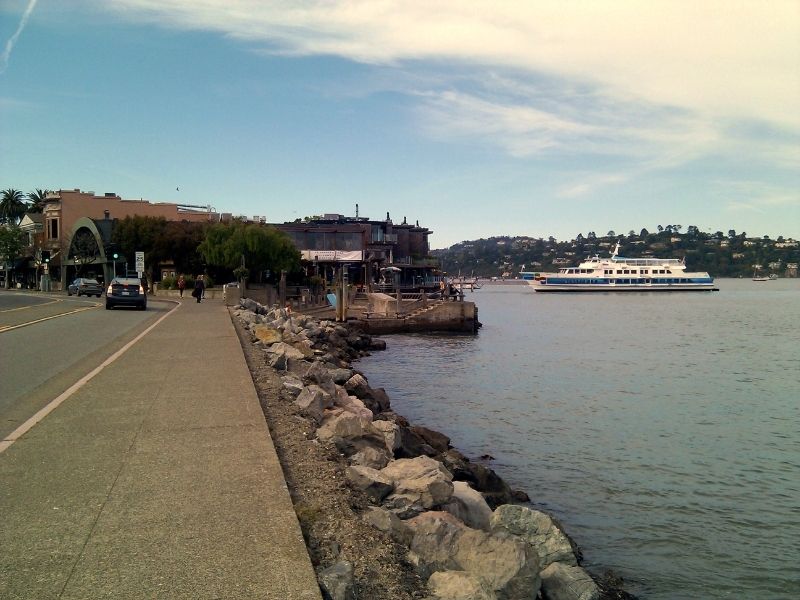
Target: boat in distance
[(618, 274)]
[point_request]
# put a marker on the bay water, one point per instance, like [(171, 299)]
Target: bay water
[(663, 430)]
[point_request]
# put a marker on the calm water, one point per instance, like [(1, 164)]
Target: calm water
[(663, 429)]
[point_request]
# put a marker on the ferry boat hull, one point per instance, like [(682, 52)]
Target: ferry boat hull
[(612, 287), (617, 274)]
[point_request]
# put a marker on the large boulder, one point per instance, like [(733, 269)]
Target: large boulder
[(284, 349), (390, 523), (459, 585), (438, 441), (293, 385), (538, 530), (371, 456), (377, 400), (566, 582), (249, 304), (342, 424), (506, 565), (248, 318), (371, 481), (481, 478), (419, 484), (357, 385), (267, 335), (350, 403), (435, 534), (469, 506), (313, 401), (317, 373), (340, 376), (337, 581), (412, 445), (391, 435)]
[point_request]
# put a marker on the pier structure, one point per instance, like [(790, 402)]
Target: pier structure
[(402, 312)]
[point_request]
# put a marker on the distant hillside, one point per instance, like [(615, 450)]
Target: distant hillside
[(722, 255)]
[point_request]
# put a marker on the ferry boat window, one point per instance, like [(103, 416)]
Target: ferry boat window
[(644, 271), (668, 271), (619, 271)]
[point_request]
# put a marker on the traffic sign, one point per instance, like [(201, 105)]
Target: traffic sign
[(139, 263)]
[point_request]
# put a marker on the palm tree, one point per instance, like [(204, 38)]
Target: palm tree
[(37, 198), (12, 206)]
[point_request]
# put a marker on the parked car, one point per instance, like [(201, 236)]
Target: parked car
[(126, 291), (85, 287)]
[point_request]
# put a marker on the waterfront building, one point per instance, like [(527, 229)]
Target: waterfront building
[(374, 254), (68, 214)]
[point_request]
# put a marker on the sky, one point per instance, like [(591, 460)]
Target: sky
[(475, 119)]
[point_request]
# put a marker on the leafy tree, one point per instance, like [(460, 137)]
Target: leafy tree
[(12, 206), (37, 199), (141, 234), (261, 248), (179, 242), (611, 233), (83, 248), (644, 233), (12, 241)]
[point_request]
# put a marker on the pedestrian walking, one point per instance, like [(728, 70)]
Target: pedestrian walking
[(181, 285), (199, 288)]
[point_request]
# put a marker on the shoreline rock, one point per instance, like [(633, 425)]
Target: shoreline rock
[(456, 524)]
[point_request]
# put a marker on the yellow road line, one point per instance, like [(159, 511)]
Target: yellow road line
[(72, 312), (31, 306)]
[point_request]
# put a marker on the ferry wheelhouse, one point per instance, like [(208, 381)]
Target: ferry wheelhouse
[(618, 274)]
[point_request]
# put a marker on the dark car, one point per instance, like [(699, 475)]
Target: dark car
[(126, 291), (85, 287)]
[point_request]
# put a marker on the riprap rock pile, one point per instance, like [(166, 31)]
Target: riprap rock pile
[(457, 518)]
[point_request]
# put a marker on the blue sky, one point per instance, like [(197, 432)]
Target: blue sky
[(474, 118)]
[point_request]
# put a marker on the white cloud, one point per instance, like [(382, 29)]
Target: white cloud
[(589, 183), (757, 196), (11, 42), (724, 58), (520, 129)]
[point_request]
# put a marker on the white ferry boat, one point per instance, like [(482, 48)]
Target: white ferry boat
[(618, 274)]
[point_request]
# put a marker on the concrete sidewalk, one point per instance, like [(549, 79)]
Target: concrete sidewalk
[(157, 479)]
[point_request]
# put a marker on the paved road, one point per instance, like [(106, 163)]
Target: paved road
[(47, 342), (155, 479)]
